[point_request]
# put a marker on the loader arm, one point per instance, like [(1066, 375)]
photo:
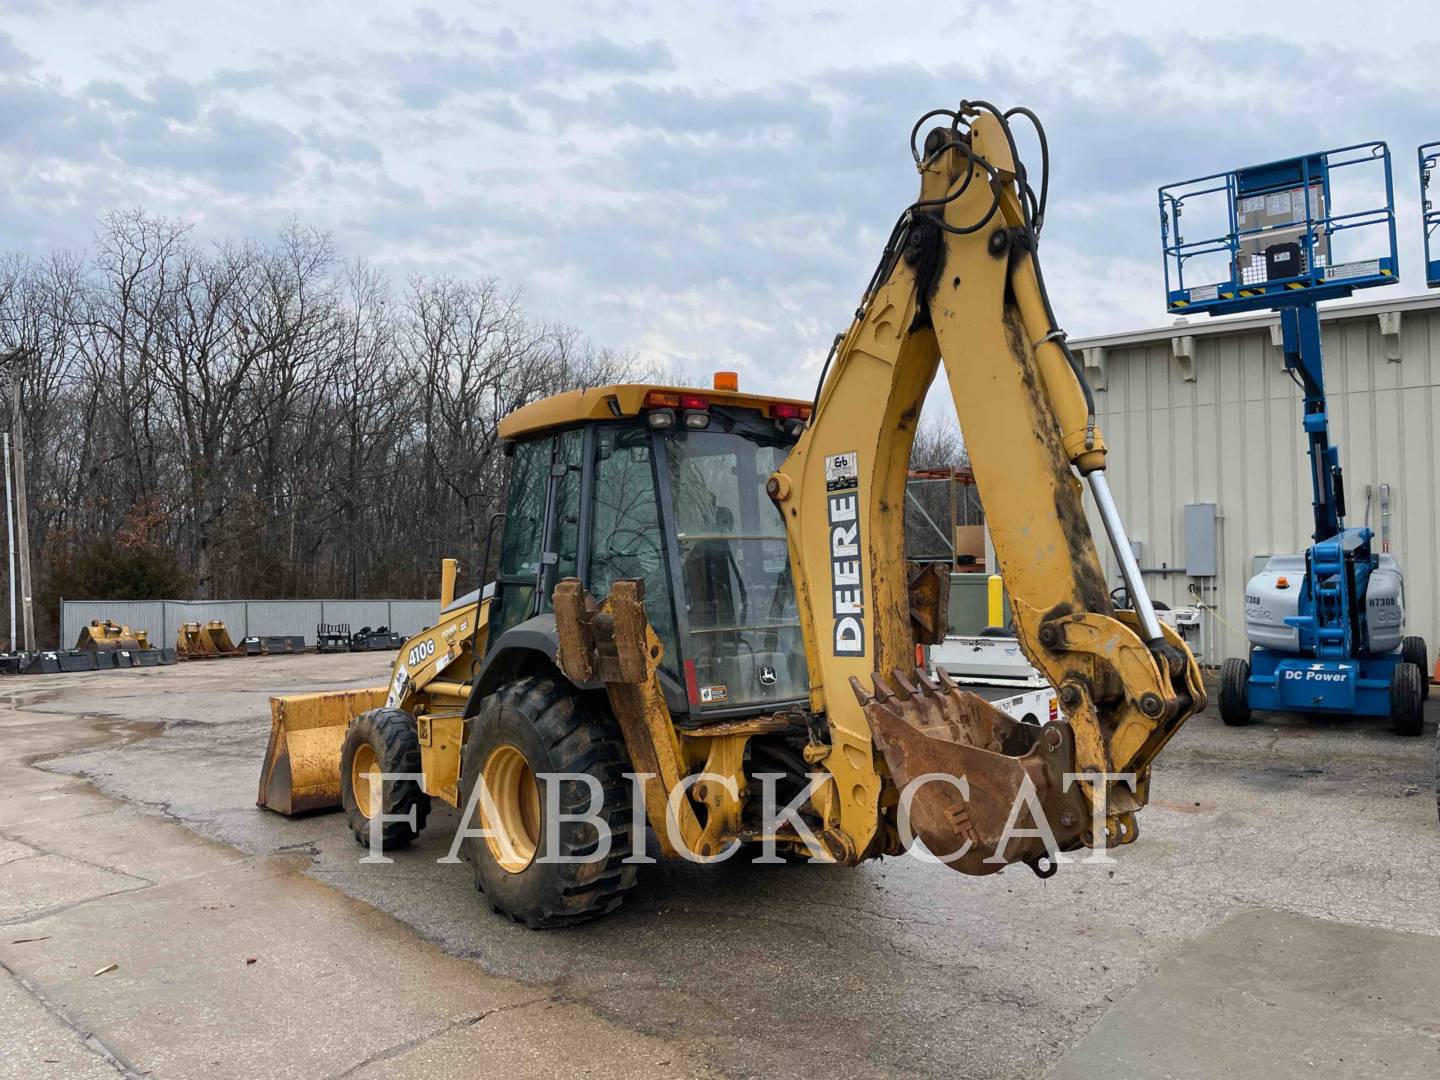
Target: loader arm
[(430, 679), (959, 282)]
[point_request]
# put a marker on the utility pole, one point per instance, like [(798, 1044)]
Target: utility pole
[(22, 521), (10, 525)]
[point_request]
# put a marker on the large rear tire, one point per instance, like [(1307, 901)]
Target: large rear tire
[(1407, 713), (1437, 772), (527, 731), (382, 741), (1234, 692), (1413, 651)]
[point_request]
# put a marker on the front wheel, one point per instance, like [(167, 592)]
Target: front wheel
[(1407, 716), (535, 742), (382, 741), (1235, 692), (1413, 651)]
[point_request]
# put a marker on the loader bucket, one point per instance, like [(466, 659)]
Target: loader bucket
[(932, 732), (302, 763)]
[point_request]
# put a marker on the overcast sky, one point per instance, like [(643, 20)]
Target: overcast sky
[(708, 185)]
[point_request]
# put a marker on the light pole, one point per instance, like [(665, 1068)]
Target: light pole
[(14, 358), (10, 525)]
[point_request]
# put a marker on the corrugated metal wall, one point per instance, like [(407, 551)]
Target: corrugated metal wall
[(1232, 437), (247, 618)]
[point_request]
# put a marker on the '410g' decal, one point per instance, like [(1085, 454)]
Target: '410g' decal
[(420, 653)]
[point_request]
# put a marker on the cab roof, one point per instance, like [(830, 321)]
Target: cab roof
[(615, 402)]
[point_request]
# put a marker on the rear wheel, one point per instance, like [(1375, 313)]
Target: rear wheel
[(1407, 715), (1234, 692), (1413, 651), (1437, 772), (382, 741), (526, 732)]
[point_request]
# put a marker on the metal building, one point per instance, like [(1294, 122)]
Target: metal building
[(1207, 459)]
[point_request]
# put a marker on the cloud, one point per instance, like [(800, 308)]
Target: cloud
[(601, 54), (692, 182), (12, 58)]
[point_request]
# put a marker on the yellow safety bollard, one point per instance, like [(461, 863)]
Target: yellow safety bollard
[(995, 601)]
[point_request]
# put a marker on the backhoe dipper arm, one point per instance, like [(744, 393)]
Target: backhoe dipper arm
[(959, 281)]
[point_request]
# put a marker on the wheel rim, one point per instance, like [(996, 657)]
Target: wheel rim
[(511, 814), (361, 766)]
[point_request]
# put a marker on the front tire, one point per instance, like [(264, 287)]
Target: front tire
[(382, 741), (1413, 651), (1407, 716), (526, 732), (1234, 692)]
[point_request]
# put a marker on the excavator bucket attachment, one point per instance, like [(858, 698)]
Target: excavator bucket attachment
[(968, 774), (302, 764), (106, 636), (220, 639), (205, 641)]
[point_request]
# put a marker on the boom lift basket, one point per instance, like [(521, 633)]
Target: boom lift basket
[(1429, 158), (1302, 225)]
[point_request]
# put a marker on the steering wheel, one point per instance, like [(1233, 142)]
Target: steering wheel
[(1121, 599), (640, 545)]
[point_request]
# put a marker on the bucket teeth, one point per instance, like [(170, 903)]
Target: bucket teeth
[(860, 693), (907, 688)]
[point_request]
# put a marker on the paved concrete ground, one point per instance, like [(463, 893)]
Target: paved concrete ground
[(893, 969)]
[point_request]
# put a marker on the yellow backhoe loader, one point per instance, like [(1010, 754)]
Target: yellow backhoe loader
[(754, 641)]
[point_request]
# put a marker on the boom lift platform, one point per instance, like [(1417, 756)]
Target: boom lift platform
[(1325, 627), (1429, 155)]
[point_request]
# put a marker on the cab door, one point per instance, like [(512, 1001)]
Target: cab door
[(541, 542)]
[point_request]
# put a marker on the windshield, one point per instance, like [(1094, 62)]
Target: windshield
[(741, 621)]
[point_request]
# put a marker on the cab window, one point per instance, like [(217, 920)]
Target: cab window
[(626, 537), (524, 529)]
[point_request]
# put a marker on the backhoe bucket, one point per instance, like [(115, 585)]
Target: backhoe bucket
[(967, 773), (302, 764)]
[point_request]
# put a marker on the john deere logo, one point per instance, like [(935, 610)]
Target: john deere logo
[(768, 676)]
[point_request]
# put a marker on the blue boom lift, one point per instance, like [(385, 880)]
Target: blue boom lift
[(1429, 157), (1326, 627)]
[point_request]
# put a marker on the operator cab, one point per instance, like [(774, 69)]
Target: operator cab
[(666, 485)]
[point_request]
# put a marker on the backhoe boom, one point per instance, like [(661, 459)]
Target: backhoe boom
[(960, 282)]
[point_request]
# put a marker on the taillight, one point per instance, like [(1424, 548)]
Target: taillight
[(659, 399), (694, 401), (789, 410)]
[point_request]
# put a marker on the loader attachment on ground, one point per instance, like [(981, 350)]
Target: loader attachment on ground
[(205, 641), (973, 774), (106, 636), (302, 763)]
